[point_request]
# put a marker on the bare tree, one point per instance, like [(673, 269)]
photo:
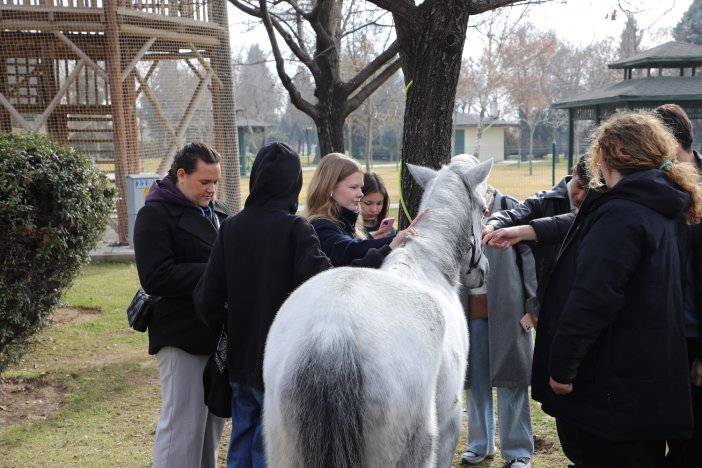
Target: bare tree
[(430, 41), (321, 26), (528, 57), (481, 83), (258, 96)]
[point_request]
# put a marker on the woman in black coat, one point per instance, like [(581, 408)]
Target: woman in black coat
[(610, 359), (173, 236)]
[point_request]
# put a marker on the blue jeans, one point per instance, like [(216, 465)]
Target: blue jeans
[(516, 440), (246, 443)]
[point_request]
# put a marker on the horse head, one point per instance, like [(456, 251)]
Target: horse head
[(468, 202)]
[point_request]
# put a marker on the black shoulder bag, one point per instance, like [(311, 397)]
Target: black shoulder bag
[(140, 310)]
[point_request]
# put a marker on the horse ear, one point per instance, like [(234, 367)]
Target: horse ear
[(423, 175), (478, 174)]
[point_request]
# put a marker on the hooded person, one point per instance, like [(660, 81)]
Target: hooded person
[(261, 255)]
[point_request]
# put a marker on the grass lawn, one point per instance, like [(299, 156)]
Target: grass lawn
[(87, 394), (509, 178)]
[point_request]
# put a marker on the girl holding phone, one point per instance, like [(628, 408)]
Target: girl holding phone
[(374, 208), (333, 205)]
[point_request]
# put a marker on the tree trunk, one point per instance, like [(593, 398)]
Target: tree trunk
[(431, 49), (330, 130), (479, 132), (369, 141), (532, 129)]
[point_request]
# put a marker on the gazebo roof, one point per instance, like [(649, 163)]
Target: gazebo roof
[(658, 88), (669, 55)]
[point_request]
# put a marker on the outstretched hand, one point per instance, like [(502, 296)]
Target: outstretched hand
[(410, 231), (507, 237)]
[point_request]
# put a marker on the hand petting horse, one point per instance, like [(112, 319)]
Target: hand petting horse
[(365, 368)]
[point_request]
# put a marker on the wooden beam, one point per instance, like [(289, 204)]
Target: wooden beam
[(154, 101), (183, 126), (57, 98), (205, 64), (171, 21), (144, 49), (168, 35), (147, 77), (82, 55), (114, 65), (53, 25), (16, 115)]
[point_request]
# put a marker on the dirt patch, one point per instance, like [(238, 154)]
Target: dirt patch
[(27, 400), (544, 445), (73, 315)]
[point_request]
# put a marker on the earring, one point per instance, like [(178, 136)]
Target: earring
[(331, 195)]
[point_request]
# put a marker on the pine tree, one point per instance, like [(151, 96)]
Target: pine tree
[(689, 29)]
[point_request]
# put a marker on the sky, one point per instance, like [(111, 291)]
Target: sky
[(577, 21)]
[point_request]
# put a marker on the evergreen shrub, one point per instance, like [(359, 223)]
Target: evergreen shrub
[(54, 206)]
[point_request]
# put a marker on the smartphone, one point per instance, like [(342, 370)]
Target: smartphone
[(387, 223)]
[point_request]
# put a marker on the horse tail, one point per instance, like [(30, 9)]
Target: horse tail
[(326, 402)]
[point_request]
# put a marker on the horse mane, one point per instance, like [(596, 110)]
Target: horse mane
[(446, 230)]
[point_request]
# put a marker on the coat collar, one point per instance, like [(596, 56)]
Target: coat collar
[(193, 222)]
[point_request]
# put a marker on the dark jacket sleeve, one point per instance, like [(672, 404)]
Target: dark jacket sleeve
[(696, 241), (552, 230), (341, 248), (309, 258), (608, 255), (373, 258), (210, 293), (519, 215), (159, 273)]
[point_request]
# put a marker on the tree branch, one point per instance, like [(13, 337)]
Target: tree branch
[(372, 67), (481, 6), (403, 10), (295, 95), (354, 102)]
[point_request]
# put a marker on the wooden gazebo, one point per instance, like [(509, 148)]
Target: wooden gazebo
[(75, 69), (666, 74)]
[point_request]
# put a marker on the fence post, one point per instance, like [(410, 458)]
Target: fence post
[(553, 163)]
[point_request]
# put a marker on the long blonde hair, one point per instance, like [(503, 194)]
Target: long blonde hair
[(635, 141), (333, 168)]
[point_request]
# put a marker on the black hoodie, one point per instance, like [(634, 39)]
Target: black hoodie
[(261, 255)]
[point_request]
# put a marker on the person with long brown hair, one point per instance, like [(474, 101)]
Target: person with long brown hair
[(610, 361), (333, 206)]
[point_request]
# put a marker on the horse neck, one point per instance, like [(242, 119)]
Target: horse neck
[(444, 239)]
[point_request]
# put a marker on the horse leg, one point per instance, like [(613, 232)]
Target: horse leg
[(451, 412), (421, 445), (281, 449)]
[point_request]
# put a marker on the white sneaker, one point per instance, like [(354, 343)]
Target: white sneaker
[(520, 463), (473, 458)]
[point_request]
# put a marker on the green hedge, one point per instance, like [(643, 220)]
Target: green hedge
[(54, 205)]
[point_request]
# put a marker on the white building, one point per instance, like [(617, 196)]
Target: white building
[(492, 143)]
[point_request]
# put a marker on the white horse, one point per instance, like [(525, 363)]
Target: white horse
[(365, 368)]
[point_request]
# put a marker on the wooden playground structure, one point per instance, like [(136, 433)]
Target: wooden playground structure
[(76, 69)]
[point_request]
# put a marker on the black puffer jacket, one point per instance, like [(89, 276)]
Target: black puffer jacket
[(172, 243), (612, 315), (261, 255)]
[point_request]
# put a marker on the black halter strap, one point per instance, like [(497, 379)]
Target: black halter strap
[(474, 262)]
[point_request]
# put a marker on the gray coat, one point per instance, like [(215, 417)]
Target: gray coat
[(511, 294)]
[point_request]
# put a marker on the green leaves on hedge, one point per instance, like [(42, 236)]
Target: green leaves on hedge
[(54, 205)]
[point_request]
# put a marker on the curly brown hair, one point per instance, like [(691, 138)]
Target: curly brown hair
[(634, 141)]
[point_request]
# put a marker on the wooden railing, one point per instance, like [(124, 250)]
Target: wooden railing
[(193, 9)]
